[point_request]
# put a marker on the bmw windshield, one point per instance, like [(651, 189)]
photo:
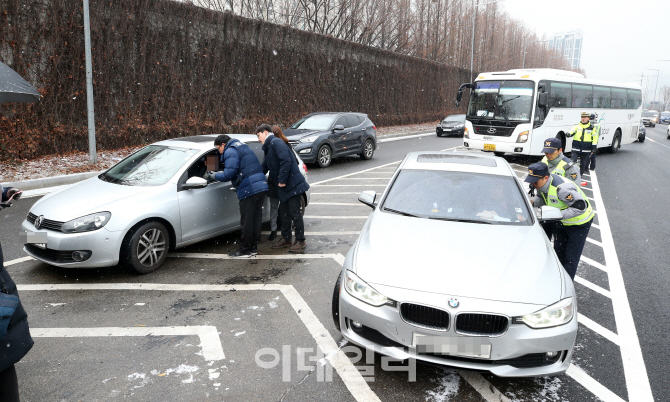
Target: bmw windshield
[(501, 101), (150, 166), (457, 196)]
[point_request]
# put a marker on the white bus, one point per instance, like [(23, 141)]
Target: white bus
[(515, 111)]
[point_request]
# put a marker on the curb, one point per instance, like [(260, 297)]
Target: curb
[(54, 181), (51, 181)]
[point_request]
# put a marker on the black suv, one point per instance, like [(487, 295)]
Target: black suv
[(320, 137)]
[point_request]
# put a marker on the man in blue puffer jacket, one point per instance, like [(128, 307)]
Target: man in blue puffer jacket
[(242, 168)]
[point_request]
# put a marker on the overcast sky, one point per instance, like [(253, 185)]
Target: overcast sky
[(622, 38)]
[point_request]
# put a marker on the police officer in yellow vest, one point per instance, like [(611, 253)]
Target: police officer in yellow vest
[(572, 230), (585, 142), (558, 163)]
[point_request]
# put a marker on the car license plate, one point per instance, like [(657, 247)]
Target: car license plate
[(464, 346), (39, 239), (489, 147)]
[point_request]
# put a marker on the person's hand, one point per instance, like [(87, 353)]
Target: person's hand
[(210, 176), (281, 185), (15, 193)]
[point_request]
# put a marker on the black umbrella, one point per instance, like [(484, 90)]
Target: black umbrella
[(13, 88)]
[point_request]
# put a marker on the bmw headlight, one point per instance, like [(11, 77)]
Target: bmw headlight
[(552, 316), (362, 291), (309, 139), (87, 223)]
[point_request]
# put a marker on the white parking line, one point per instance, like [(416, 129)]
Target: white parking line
[(213, 256), (637, 381), (593, 225), (355, 204), (599, 329), (485, 388), (325, 233), (209, 335), (332, 194), (351, 377), (593, 263), (366, 178), (318, 183), (352, 185), (592, 385), (334, 217), (588, 239), (406, 137), (593, 286), (18, 260)]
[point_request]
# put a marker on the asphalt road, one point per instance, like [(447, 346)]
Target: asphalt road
[(272, 309)]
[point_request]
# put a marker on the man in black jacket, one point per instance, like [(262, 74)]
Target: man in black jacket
[(282, 164), (17, 340)]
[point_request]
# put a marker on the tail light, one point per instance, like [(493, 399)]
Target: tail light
[(304, 167), (374, 128)]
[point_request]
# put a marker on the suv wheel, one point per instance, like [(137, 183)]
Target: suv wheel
[(324, 156), (368, 150)]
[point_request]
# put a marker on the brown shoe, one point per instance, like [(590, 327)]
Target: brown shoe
[(298, 247), (282, 243)]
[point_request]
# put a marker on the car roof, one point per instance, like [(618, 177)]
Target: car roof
[(457, 162), (203, 142), (337, 113)]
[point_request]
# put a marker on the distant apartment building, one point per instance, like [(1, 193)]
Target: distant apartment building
[(570, 45)]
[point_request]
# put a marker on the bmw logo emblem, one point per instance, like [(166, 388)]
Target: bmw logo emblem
[(38, 221), (453, 302)]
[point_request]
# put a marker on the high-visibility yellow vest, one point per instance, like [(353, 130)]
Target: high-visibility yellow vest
[(552, 199)]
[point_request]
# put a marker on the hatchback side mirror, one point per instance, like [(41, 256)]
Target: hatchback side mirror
[(548, 213), (195, 182), (368, 198), (339, 127)]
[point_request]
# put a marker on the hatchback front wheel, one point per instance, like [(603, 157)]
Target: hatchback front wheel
[(146, 248)]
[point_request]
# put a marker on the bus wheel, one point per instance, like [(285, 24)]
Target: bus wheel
[(616, 143)]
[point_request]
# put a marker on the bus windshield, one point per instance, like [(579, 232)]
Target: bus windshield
[(501, 101)]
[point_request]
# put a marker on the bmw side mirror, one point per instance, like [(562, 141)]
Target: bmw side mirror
[(338, 127), (195, 182), (548, 213), (368, 198)]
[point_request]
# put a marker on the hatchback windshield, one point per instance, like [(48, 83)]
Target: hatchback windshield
[(454, 118), (150, 166), (319, 122), (501, 100), (457, 196)]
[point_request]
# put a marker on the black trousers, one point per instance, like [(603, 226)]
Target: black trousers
[(9, 385), (593, 161), (569, 245), (290, 213), (584, 158), (251, 219)]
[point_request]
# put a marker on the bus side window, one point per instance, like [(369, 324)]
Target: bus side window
[(560, 94)]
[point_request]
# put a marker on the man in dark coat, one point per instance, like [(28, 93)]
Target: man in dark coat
[(283, 166), (242, 168), (17, 340)]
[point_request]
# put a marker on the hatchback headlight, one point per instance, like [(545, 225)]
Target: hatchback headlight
[(362, 291), (523, 137), (552, 316), (309, 139), (87, 223)]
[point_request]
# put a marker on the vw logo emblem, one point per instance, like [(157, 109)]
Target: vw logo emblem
[(491, 130), (38, 221), (453, 302)]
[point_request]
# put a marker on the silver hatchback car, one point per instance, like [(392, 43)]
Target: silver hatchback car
[(452, 267), (153, 201)]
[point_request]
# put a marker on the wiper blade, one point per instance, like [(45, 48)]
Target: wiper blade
[(459, 220), (401, 212)]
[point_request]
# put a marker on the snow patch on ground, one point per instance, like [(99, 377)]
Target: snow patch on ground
[(272, 304), (448, 383), (240, 333)]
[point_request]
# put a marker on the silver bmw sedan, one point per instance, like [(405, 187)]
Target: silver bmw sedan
[(452, 267), (153, 201)]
